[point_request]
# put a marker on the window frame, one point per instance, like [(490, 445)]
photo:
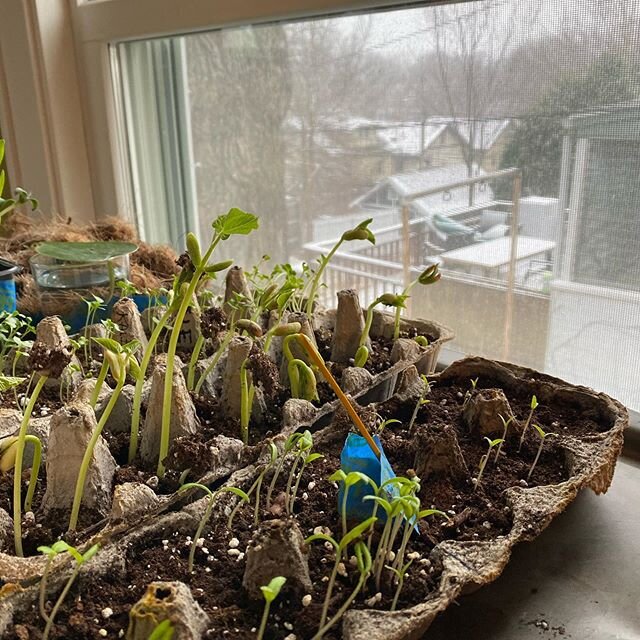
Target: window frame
[(97, 24)]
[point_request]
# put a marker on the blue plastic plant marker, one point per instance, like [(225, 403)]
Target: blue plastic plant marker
[(358, 456), (7, 295)]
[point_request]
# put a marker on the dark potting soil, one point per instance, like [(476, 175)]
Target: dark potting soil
[(379, 359), (216, 582)]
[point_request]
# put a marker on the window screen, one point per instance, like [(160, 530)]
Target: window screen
[(317, 124)]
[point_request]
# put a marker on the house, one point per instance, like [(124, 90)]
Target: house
[(389, 193)]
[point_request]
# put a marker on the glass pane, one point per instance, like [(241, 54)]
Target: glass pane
[(406, 116)]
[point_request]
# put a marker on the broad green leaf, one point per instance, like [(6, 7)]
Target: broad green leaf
[(10, 382), (87, 555), (541, 433), (385, 504), (534, 400), (109, 344), (337, 476), (312, 457), (60, 546), (271, 591), (86, 251), (356, 532), (163, 631), (47, 551), (235, 222)]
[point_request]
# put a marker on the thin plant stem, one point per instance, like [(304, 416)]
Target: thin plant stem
[(102, 376), (199, 530), (287, 494), (394, 604), (315, 283), (535, 461), (43, 590), (330, 585), (17, 472), (345, 605), (171, 353), (60, 600), (88, 454), (245, 408), (35, 469), (276, 475), (191, 371), (137, 396), (263, 622), (214, 361)]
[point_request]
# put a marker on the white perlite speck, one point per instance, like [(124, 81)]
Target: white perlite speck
[(103, 633), (306, 600), (234, 543), (107, 612)]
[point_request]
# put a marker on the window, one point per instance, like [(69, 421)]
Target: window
[(315, 123)]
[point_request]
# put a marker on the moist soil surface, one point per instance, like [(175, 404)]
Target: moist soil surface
[(216, 582)]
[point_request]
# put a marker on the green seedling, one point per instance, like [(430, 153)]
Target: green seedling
[(543, 437), (289, 445), (80, 560), (111, 328), (302, 448), (349, 480), (533, 407), (8, 455), (51, 552), (430, 275), (302, 380), (269, 593), (306, 461), (387, 299), (352, 537), (121, 359), (235, 222), (163, 631), (246, 402), (281, 330), (360, 232), (222, 347), (65, 392), (363, 564), (469, 393), (93, 305), (207, 512), (13, 382), (127, 288), (389, 421), (422, 341), (421, 400), (399, 574), (505, 428), (14, 329), (257, 488), (17, 471), (20, 196), (485, 458)]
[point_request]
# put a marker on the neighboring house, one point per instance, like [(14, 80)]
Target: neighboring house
[(388, 193), (594, 329)]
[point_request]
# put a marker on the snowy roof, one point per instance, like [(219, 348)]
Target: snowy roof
[(405, 138), (405, 184)]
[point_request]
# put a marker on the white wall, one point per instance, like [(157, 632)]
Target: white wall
[(594, 339)]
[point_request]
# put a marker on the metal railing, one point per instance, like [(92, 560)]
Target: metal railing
[(397, 257)]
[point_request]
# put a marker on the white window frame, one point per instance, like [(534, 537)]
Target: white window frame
[(59, 103)]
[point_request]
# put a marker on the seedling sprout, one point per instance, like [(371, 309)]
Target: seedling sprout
[(430, 275), (543, 437), (505, 426), (80, 560), (485, 458), (534, 405), (269, 592)]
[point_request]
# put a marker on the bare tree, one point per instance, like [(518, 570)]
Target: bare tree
[(240, 89), (472, 43)]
